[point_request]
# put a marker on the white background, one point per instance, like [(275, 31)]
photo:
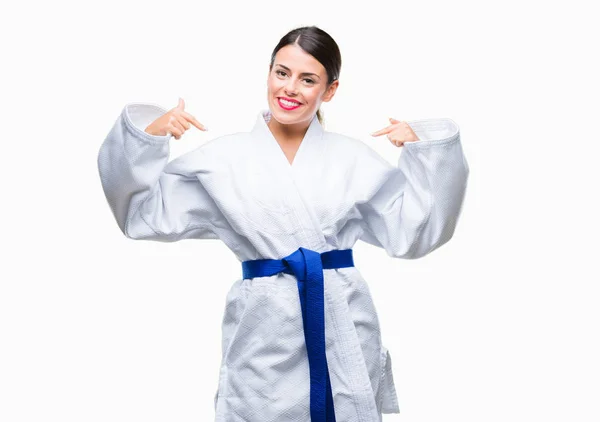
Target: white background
[(500, 324)]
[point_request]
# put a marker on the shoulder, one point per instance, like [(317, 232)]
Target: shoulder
[(224, 145), (360, 151), (209, 155), (362, 166)]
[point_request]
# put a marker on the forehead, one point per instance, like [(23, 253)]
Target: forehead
[(298, 60)]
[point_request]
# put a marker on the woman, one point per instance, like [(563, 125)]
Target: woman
[(301, 339)]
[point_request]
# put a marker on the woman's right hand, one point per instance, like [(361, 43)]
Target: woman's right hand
[(174, 122)]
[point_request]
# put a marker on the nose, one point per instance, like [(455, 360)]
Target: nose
[(290, 88)]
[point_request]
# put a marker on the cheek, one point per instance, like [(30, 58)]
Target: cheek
[(312, 95), (273, 86)]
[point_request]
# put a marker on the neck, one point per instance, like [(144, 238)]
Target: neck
[(293, 133)]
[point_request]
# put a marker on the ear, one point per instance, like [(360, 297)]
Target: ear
[(330, 92)]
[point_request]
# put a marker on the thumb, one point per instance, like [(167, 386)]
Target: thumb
[(394, 120), (181, 104)]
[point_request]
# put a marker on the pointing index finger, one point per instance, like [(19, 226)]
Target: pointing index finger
[(193, 120), (382, 131)]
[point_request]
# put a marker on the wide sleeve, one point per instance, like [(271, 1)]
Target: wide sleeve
[(413, 208), (150, 197)]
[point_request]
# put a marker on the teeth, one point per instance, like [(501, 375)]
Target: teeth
[(288, 103)]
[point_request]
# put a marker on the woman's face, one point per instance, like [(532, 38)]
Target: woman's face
[(297, 76)]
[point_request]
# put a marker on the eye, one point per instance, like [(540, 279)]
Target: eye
[(282, 73)]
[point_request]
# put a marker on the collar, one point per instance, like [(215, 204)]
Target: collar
[(312, 140), (315, 129)]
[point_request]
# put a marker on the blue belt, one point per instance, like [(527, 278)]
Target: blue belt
[(307, 266)]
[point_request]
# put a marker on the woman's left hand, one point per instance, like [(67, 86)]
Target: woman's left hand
[(398, 133)]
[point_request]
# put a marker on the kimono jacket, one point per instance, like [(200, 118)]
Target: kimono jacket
[(240, 188)]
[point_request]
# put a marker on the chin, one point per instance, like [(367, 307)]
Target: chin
[(282, 116), (285, 119)]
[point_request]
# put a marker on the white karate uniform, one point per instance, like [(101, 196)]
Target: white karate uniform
[(241, 189)]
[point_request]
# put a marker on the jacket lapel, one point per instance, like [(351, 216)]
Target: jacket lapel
[(274, 154), (306, 164)]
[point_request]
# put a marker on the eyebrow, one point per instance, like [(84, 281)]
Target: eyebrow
[(304, 73)]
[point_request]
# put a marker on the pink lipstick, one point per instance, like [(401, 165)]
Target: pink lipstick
[(287, 107)]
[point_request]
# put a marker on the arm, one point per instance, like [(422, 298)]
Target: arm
[(415, 206), (151, 198)]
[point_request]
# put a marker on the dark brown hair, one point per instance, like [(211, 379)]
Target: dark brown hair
[(318, 44)]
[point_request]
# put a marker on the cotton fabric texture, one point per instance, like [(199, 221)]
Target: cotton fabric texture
[(241, 189)]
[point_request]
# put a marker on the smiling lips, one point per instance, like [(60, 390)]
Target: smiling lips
[(288, 105)]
